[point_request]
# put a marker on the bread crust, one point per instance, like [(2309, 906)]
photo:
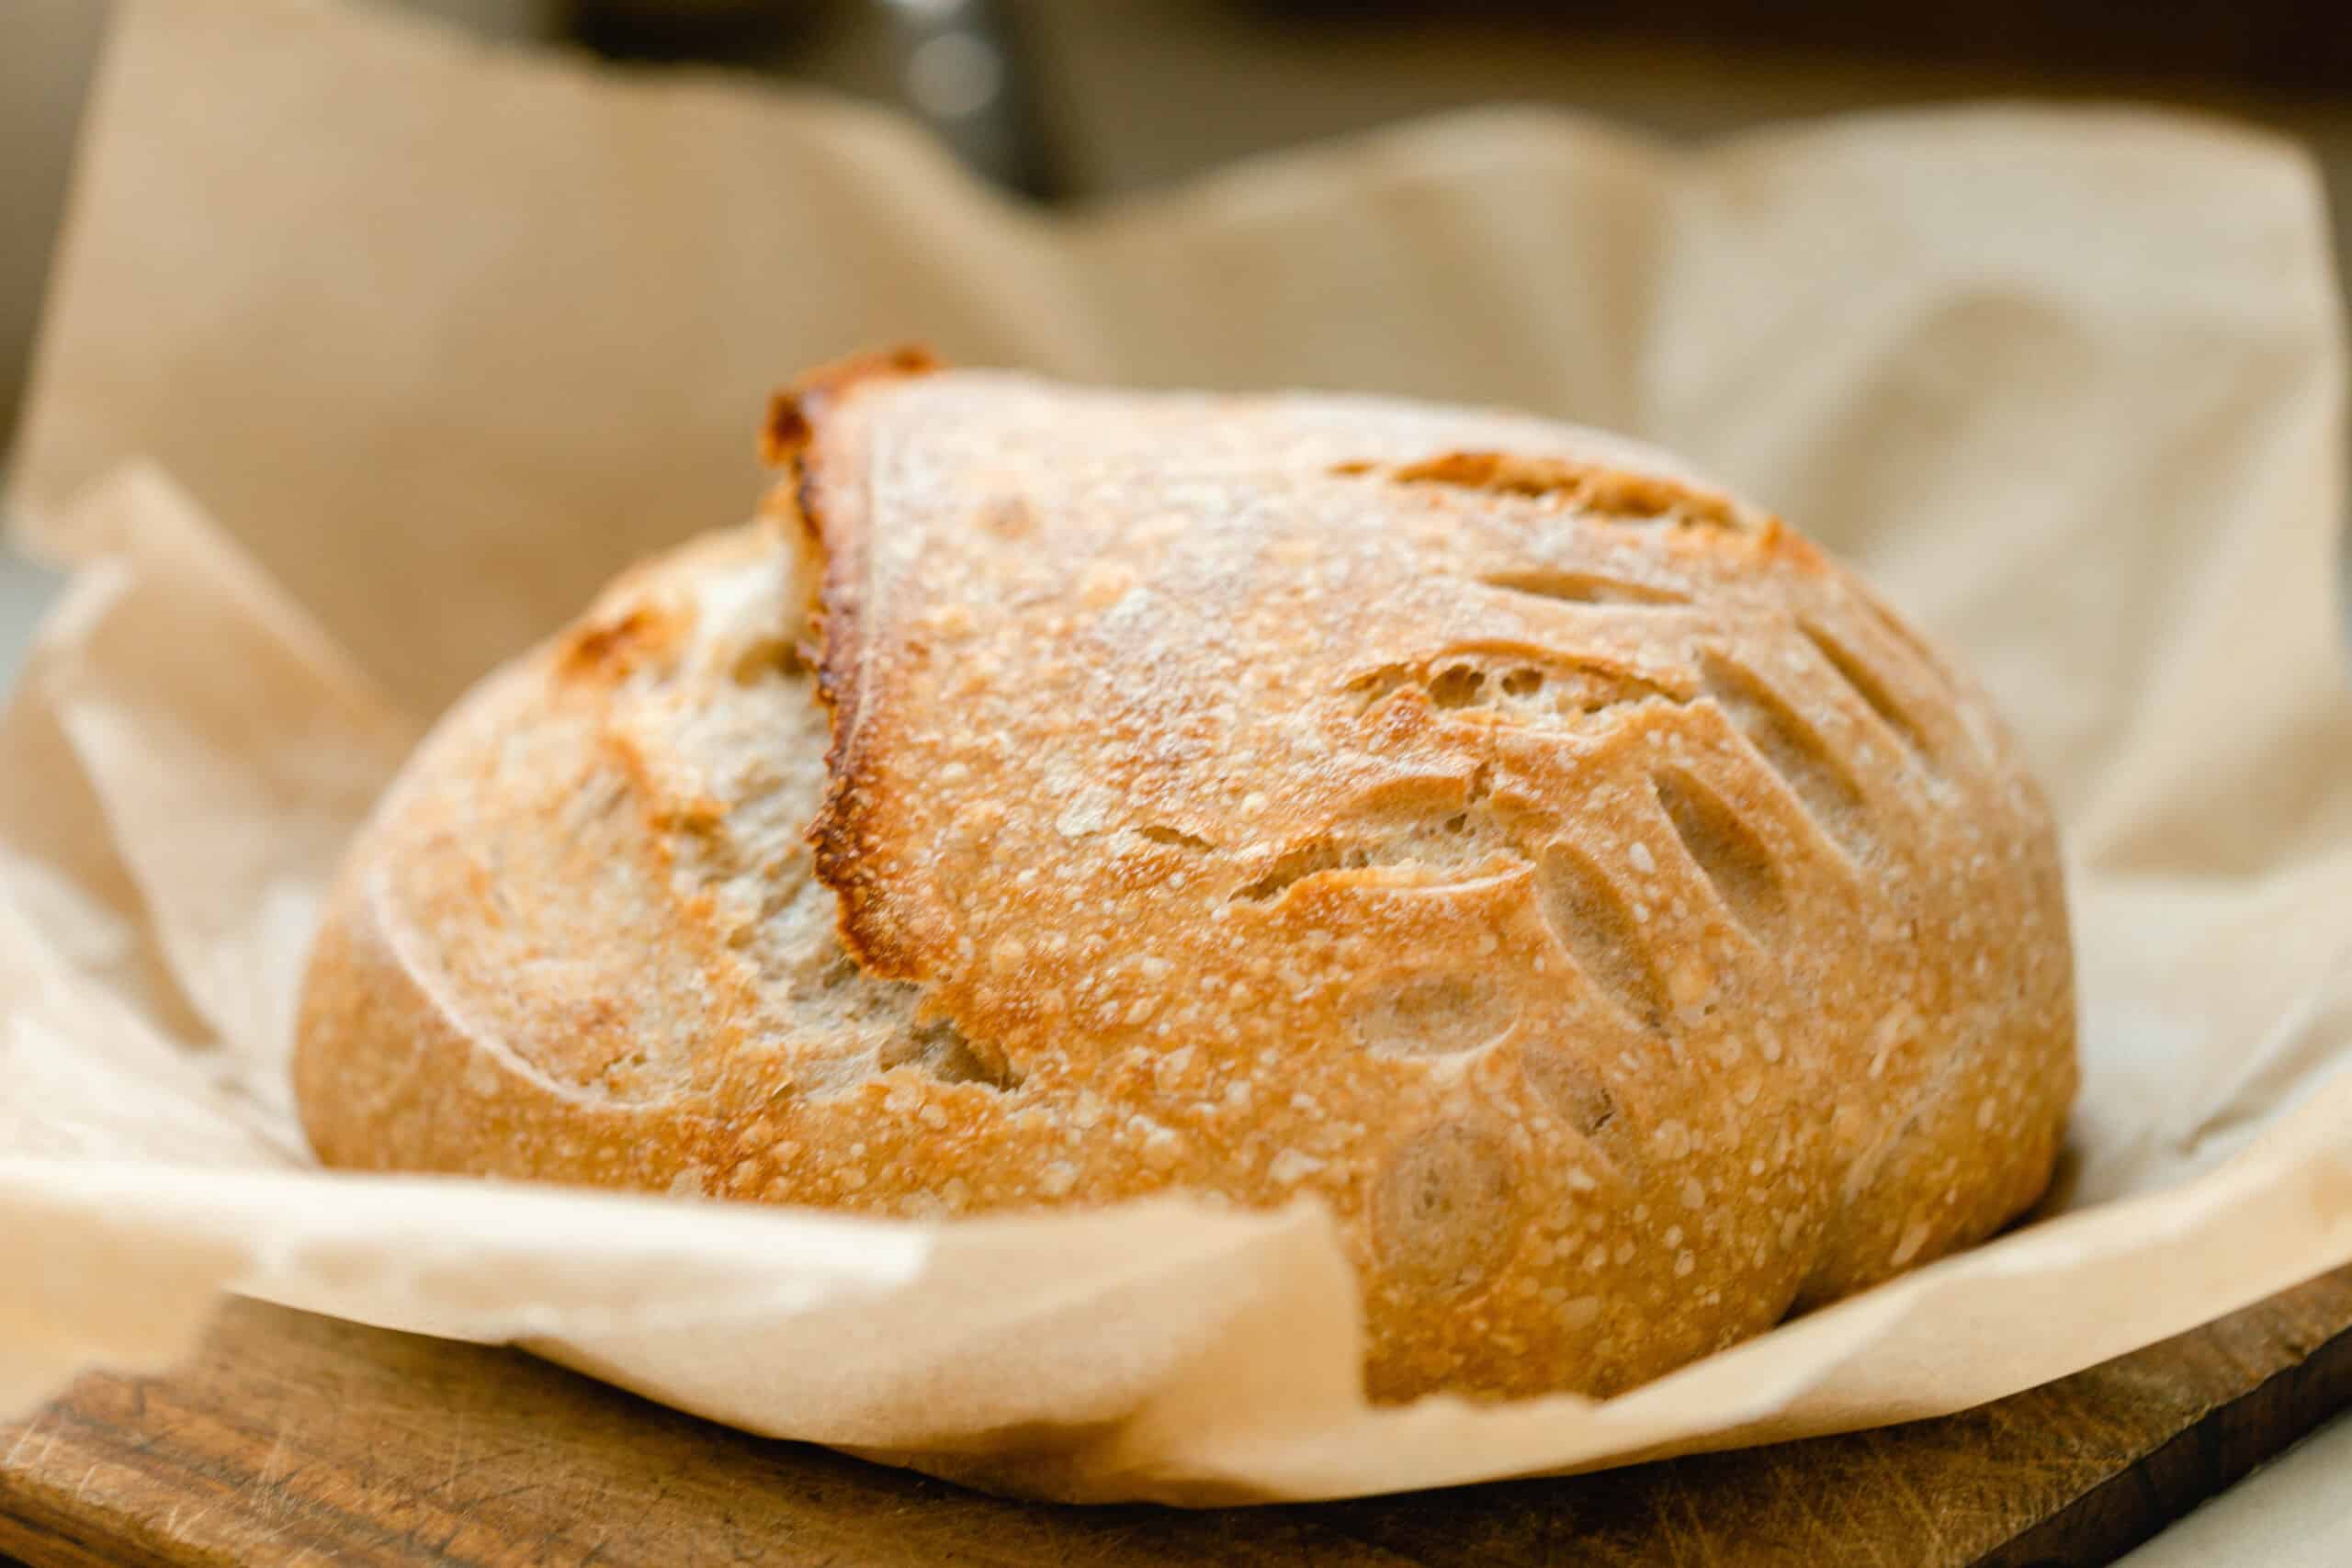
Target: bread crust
[(1557, 866)]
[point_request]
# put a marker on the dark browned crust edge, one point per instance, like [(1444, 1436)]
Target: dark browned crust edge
[(824, 451), (794, 410)]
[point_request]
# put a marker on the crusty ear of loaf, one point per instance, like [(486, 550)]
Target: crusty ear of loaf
[(1561, 869)]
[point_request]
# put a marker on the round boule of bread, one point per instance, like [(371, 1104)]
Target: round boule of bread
[(1559, 868)]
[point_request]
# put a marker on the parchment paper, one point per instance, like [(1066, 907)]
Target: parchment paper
[(372, 352)]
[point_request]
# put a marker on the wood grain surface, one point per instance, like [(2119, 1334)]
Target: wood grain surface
[(292, 1438)]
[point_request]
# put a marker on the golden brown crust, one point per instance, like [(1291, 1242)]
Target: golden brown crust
[(1562, 870)]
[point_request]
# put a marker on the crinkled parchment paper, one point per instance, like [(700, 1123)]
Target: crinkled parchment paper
[(372, 352)]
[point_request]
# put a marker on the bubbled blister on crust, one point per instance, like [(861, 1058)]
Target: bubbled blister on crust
[(1556, 867)]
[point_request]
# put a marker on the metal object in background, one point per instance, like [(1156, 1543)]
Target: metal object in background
[(27, 589), (963, 67), (47, 49)]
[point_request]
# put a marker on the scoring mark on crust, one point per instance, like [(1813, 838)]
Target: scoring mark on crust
[(1584, 588), (1535, 689), (1445, 1212), (1174, 838), (1293, 865), (1791, 748), (1617, 494), (1596, 923), (1867, 685), (1566, 1084), (1431, 1015), (1431, 842), (1727, 852)]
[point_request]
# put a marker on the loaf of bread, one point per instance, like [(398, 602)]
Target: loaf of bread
[(1562, 870)]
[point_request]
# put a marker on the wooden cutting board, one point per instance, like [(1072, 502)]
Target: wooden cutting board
[(291, 1438)]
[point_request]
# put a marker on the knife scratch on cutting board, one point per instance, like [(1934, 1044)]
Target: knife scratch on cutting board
[(265, 1478), (457, 1452), (33, 1429), (1932, 1528), (171, 1525)]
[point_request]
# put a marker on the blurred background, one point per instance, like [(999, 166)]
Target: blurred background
[(1074, 101)]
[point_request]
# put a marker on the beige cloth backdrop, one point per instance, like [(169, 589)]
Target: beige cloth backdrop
[(440, 336)]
